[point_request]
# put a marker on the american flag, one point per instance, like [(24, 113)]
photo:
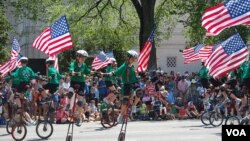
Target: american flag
[(207, 51), (192, 54), (15, 48), (145, 53), (13, 61), (228, 56), (54, 39), (227, 14), (102, 60), (54, 57)]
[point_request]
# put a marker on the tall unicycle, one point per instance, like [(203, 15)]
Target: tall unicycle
[(69, 136), (122, 134), (123, 130)]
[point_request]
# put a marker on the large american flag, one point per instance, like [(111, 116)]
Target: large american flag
[(145, 53), (192, 54), (102, 60), (227, 14), (55, 38), (13, 62), (228, 56)]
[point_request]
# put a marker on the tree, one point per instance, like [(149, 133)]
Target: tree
[(104, 24), (4, 36)]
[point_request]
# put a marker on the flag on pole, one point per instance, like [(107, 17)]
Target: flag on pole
[(54, 57), (13, 61), (228, 56), (207, 51), (192, 54), (224, 15), (145, 53), (15, 48), (101, 60), (54, 39)]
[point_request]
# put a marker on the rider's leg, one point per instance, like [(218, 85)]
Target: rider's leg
[(136, 100), (123, 109)]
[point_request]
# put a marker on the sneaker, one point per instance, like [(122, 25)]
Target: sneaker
[(133, 109), (120, 119), (78, 122)]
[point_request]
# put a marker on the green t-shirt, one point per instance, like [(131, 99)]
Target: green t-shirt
[(232, 75), (127, 73), (143, 109), (112, 78), (24, 74), (103, 107), (245, 68), (54, 75), (203, 72), (83, 68)]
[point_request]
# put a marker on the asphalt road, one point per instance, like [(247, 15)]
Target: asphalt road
[(185, 130)]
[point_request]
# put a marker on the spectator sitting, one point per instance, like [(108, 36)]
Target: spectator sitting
[(192, 111), (180, 107), (94, 114), (142, 111), (61, 116)]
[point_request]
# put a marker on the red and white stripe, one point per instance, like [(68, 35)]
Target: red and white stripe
[(144, 57), (205, 53), (217, 18)]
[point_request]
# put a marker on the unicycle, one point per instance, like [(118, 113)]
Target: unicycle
[(69, 136), (122, 134), (123, 130)]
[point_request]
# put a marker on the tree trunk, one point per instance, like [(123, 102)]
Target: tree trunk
[(145, 11)]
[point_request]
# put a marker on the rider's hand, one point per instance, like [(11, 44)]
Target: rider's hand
[(72, 73)]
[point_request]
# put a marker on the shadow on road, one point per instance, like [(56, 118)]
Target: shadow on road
[(193, 126), (2, 135), (218, 134), (35, 140)]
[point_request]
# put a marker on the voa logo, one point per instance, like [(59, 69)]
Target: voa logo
[(236, 132)]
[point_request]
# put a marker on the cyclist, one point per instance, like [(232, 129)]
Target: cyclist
[(53, 80), (24, 74), (78, 69), (127, 72), (203, 74), (53, 75)]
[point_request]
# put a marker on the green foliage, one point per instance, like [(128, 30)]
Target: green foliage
[(4, 38), (192, 11)]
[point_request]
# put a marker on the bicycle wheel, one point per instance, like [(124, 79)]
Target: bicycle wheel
[(108, 119), (19, 132), (9, 126), (69, 138), (205, 118), (216, 119), (44, 129), (121, 136), (232, 120)]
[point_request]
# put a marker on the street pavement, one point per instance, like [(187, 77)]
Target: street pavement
[(172, 130)]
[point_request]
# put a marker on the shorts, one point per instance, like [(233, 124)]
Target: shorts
[(246, 82), (127, 89), (23, 86), (204, 83), (52, 87), (108, 83), (80, 103), (81, 84)]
